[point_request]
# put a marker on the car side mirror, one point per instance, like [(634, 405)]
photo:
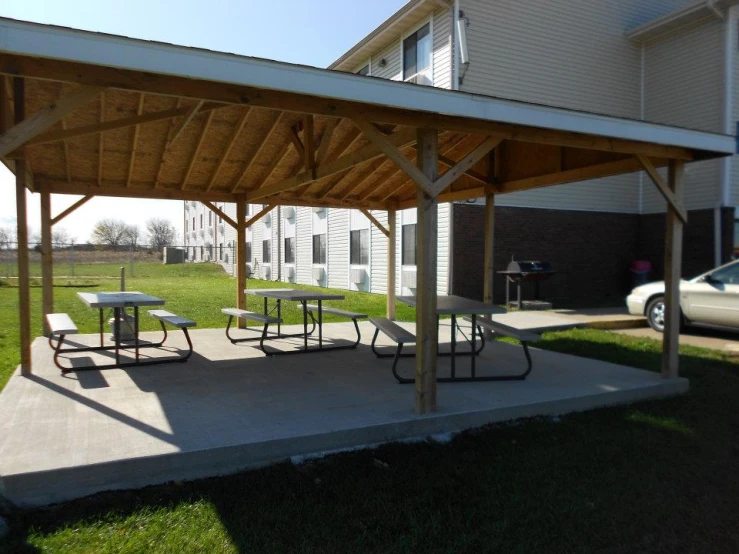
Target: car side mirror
[(710, 279)]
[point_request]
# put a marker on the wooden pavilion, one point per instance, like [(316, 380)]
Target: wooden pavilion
[(97, 115)]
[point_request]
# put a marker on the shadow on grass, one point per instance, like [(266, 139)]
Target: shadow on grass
[(657, 476)]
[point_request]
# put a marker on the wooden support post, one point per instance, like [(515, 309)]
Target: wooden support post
[(673, 264), (427, 330), (391, 261), (24, 291), (489, 262), (47, 264), (241, 257)]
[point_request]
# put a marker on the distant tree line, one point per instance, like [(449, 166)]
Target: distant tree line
[(106, 232)]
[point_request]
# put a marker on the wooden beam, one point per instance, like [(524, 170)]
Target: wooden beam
[(234, 135), (101, 142), (427, 329), (673, 265), (241, 260), (392, 248), (220, 213), (24, 282), (297, 143), (375, 136), (117, 189), (366, 153), (88, 74), (662, 187), (135, 139), (346, 143), (326, 202), (309, 142), (47, 264), (465, 164), (165, 150), (258, 151), (105, 126), (189, 114), (194, 157), (32, 126), (374, 221), (259, 215), (328, 134), (73, 207), (489, 255), (571, 175)]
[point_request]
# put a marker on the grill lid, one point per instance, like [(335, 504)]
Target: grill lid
[(529, 267)]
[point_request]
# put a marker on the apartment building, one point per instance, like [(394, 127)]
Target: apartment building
[(667, 61)]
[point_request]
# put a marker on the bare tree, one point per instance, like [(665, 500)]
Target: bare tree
[(161, 233), (7, 235), (60, 237), (112, 232), (131, 235)]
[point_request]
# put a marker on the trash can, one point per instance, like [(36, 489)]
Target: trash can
[(640, 270)]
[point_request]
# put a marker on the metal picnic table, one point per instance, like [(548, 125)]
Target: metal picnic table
[(455, 306), (302, 296)]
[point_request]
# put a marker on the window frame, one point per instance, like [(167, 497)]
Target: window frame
[(403, 261), (413, 31), (367, 234), (267, 249), (291, 248)]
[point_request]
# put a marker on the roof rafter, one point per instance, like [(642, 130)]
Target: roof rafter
[(234, 135)]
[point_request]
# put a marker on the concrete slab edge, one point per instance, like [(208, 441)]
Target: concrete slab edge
[(36, 489)]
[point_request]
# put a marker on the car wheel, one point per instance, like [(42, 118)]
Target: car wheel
[(656, 314)]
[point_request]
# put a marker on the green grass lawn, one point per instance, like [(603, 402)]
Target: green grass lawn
[(197, 291), (653, 477)]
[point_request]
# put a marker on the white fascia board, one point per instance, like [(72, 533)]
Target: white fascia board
[(673, 21), (43, 41)]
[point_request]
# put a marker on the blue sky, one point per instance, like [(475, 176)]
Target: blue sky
[(311, 32)]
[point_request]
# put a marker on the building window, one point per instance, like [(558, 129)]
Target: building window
[(365, 70), (248, 251), (417, 57), (210, 219), (220, 251), (201, 221), (193, 223), (408, 255), (290, 250), (319, 249), (266, 252), (359, 247)]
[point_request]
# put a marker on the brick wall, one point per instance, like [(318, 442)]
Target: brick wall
[(591, 251)]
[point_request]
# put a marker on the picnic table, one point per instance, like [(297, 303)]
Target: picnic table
[(456, 306), (61, 325), (303, 297)]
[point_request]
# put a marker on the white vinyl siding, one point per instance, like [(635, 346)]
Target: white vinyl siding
[(378, 254), (567, 53), (337, 244), (684, 86), (442, 53), (391, 57), (304, 246)]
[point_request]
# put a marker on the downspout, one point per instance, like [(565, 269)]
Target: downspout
[(455, 46), (279, 243), (642, 115), (724, 199)]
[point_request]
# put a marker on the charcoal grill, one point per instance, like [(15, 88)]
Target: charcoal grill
[(518, 272)]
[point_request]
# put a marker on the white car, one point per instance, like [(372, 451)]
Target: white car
[(709, 300)]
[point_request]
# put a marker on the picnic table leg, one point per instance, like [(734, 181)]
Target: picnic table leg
[(474, 336), (136, 331), (101, 327), (454, 345), (320, 324), (117, 333), (305, 323)]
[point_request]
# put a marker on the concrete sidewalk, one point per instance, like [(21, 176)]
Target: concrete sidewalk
[(558, 320)]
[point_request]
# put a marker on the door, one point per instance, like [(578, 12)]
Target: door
[(714, 299)]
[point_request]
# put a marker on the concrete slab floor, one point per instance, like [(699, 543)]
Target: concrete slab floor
[(230, 407)]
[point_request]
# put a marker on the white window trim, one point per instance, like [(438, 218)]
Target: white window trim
[(367, 64), (430, 21)]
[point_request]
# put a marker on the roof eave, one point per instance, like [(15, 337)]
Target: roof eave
[(679, 19)]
